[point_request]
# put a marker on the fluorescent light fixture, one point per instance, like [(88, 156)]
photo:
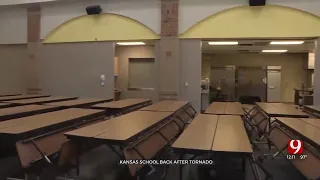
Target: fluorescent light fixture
[(274, 51), (222, 43), (286, 42), (130, 43)]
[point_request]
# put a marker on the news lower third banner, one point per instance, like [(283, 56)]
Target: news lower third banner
[(166, 162)]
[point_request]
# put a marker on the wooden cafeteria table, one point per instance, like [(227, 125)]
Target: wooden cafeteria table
[(225, 108), (3, 95), (314, 110), (158, 105), (37, 125), (40, 100), (208, 133), (166, 106), (307, 130), (281, 110), (22, 111), (131, 125), (30, 96), (139, 134), (264, 113), (214, 134), (78, 103), (5, 105), (171, 106), (122, 106)]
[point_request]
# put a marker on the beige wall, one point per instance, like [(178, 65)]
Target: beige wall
[(12, 58), (75, 69), (124, 53), (293, 71), (190, 72)]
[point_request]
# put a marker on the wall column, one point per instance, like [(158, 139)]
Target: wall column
[(316, 80), (190, 71), (32, 65), (168, 71)]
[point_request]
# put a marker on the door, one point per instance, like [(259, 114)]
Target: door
[(251, 81), (224, 78), (274, 84)]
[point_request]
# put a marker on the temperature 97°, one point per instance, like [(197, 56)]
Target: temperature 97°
[(303, 156)]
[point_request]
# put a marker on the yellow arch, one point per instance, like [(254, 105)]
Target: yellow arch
[(102, 27), (270, 21)]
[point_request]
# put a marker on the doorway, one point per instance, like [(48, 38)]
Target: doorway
[(274, 84), (251, 81)]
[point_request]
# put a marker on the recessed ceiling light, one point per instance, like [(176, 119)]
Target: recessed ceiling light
[(274, 51), (286, 42), (130, 43), (222, 43)]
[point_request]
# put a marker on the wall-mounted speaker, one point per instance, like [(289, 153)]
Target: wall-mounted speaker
[(93, 10), (257, 2)]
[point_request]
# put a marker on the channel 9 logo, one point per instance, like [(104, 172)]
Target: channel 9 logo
[(295, 147)]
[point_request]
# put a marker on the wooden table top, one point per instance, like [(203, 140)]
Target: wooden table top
[(77, 102), (199, 134), (231, 136), (3, 104), (223, 133), (225, 108), (121, 128), (41, 100), (281, 110), (22, 109), (121, 103), (165, 106), (174, 106), (3, 95), (26, 124), (313, 108), (157, 106), (9, 98), (315, 122), (308, 130), (312, 121)]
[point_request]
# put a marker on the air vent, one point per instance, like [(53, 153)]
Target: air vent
[(243, 50)]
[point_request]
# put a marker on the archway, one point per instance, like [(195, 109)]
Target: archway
[(103, 27), (271, 21)]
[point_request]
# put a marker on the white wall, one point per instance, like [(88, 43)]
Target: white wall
[(13, 25), (145, 11), (191, 11)]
